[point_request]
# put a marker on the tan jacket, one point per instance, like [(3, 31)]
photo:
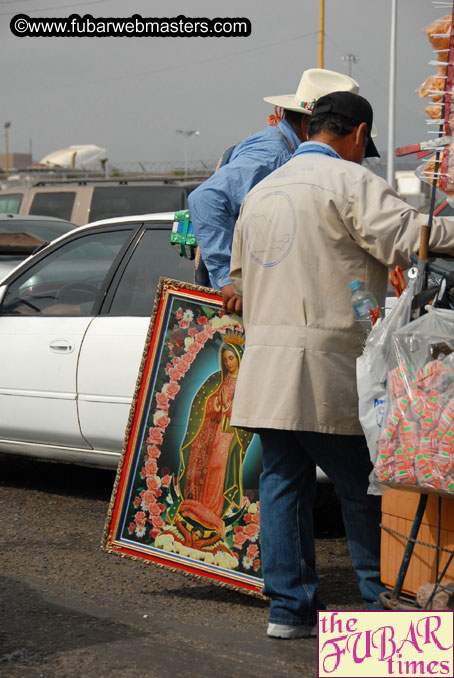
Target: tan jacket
[(303, 234)]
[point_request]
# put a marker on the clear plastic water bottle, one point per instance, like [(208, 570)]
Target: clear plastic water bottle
[(363, 301)]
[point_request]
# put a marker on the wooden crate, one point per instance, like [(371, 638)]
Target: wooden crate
[(398, 511)]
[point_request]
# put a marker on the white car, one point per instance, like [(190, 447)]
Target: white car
[(73, 323)]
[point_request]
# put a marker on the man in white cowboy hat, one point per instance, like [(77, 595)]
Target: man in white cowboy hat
[(305, 232), (215, 205)]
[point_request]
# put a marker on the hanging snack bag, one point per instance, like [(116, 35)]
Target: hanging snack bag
[(416, 445)]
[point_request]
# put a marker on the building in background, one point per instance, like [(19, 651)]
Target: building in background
[(15, 161)]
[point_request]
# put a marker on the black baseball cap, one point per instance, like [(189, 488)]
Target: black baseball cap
[(351, 106)]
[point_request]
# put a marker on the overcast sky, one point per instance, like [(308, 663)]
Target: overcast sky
[(129, 95)]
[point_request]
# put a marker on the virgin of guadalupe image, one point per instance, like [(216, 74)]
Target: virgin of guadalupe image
[(208, 493)]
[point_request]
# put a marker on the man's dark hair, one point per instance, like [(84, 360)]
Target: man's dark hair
[(334, 123), (293, 117)]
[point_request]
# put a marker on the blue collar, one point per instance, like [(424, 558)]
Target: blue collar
[(316, 147), (290, 134)]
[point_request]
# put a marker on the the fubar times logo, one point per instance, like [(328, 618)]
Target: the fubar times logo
[(385, 643)]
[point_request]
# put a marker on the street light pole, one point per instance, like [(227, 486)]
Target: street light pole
[(7, 125), (186, 134), (392, 95), (350, 59)]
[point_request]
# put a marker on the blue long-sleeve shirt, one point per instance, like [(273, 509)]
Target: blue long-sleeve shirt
[(215, 204)]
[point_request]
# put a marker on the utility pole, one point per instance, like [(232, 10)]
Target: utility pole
[(321, 34), (186, 134)]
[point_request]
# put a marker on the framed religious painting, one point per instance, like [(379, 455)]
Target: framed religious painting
[(186, 491)]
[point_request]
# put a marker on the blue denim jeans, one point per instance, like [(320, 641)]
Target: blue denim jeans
[(287, 492)]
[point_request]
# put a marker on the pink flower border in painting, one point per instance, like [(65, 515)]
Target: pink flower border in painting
[(148, 501)]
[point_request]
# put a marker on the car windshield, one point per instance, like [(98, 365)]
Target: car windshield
[(42, 229)]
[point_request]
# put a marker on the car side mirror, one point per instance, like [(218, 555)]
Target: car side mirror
[(3, 289)]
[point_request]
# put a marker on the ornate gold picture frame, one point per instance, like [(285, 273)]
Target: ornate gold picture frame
[(186, 492)]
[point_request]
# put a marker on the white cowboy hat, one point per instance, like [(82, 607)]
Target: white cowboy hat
[(314, 83)]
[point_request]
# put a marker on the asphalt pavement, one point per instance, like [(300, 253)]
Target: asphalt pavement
[(70, 610)]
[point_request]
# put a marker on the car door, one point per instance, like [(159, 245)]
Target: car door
[(45, 313), (113, 344)]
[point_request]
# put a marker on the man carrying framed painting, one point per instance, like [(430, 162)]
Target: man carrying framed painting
[(303, 234)]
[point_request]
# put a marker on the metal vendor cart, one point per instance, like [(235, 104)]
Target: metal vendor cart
[(416, 505)]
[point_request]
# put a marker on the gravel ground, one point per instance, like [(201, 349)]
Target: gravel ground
[(70, 610)]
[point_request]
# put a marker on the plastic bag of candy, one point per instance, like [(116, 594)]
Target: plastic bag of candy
[(372, 373), (416, 445)]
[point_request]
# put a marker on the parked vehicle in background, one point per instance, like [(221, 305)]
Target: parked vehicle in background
[(87, 200), (20, 236), (73, 323)]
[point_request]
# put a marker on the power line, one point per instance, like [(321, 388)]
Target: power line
[(180, 66), (410, 113), (342, 52)]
